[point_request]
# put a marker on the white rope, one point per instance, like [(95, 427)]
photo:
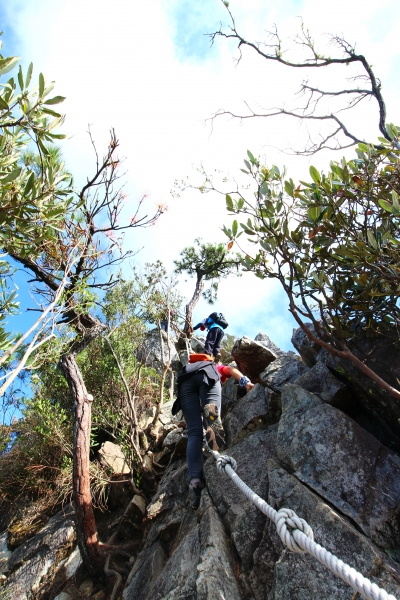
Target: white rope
[(298, 536)]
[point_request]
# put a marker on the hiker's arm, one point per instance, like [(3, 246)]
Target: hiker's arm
[(236, 374)]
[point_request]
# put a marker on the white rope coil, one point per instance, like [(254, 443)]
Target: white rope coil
[(298, 536)]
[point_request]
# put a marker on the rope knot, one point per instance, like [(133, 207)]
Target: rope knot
[(223, 461), (286, 522)]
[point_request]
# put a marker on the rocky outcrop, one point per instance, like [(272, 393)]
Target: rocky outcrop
[(285, 369), (258, 409), (296, 449), (342, 462), (320, 381), (46, 558), (153, 355), (297, 446), (252, 357), (381, 353)]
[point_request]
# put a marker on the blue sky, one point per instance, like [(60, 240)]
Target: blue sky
[(147, 69)]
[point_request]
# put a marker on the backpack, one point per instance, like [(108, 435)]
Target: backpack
[(219, 319)]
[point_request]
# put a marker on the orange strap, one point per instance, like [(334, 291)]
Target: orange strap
[(198, 357)]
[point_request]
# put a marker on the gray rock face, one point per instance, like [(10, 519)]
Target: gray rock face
[(252, 357), (300, 576), (307, 349), (40, 558), (257, 409), (153, 351), (229, 395), (264, 340), (343, 463), (285, 369), (184, 556), (197, 345), (320, 381), (241, 518)]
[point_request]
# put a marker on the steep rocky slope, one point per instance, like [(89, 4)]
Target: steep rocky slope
[(302, 440)]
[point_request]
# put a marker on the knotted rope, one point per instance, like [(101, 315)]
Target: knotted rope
[(298, 536)]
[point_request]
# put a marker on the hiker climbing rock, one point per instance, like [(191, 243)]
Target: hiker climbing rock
[(199, 390), (215, 325)]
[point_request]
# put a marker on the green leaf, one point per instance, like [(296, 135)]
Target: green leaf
[(29, 75), (314, 212), (240, 203), (372, 240), (395, 199), (29, 184), (11, 176), (41, 84), (20, 78), (385, 205), (55, 100), (3, 104), (289, 188), (229, 202), (251, 157), (6, 64), (315, 176), (53, 113), (234, 228)]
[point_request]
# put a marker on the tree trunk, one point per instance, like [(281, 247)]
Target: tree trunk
[(86, 529), (188, 329)]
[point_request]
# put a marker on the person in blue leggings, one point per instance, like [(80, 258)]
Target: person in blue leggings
[(199, 398)]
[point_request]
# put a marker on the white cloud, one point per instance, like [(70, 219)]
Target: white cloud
[(119, 67)]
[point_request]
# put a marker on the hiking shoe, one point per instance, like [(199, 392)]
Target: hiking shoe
[(195, 495), (215, 434)]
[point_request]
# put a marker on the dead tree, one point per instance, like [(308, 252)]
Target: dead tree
[(364, 85)]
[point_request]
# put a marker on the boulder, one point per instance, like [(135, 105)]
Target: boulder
[(252, 357), (285, 369), (199, 566), (257, 409), (320, 381), (380, 351), (147, 418), (35, 564), (172, 438), (152, 351), (197, 344), (342, 462), (112, 456)]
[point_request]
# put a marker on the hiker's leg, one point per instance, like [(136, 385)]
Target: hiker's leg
[(217, 342), (210, 341), (211, 402), (190, 404)]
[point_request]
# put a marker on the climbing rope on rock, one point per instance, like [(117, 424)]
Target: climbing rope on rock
[(298, 536)]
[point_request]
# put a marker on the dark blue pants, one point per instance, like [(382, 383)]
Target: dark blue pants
[(213, 341), (192, 392)]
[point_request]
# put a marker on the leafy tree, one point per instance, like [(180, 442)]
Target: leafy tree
[(332, 243), (34, 193), (66, 239), (207, 262)]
